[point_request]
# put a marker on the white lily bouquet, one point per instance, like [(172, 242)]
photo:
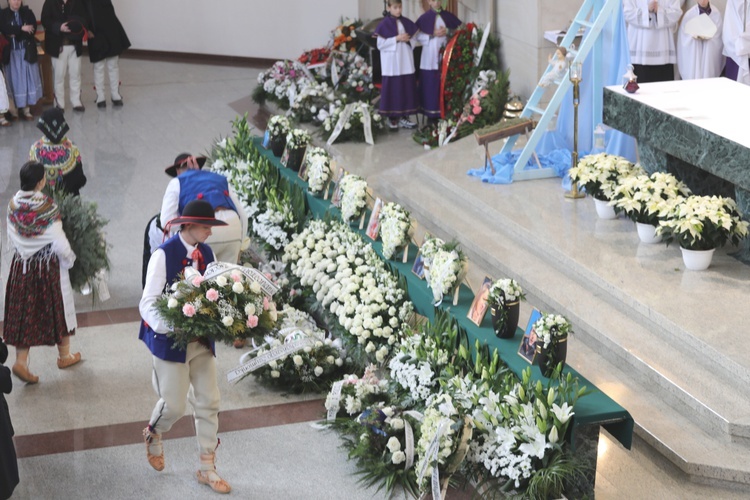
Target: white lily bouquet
[(298, 138), (395, 223), (552, 328), (318, 169), (353, 197), (278, 126), (444, 266)]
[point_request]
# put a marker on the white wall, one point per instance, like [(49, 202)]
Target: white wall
[(275, 29)]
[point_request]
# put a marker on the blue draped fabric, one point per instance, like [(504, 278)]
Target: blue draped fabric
[(555, 147)]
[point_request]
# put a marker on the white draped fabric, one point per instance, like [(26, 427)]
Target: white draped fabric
[(699, 58), (736, 38)]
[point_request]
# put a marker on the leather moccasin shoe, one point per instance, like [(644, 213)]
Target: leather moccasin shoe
[(151, 438), (24, 374), (68, 360)]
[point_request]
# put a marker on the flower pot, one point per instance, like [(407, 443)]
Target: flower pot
[(505, 323), (697, 260), (294, 158), (548, 358), (604, 210), (647, 233), (278, 143)]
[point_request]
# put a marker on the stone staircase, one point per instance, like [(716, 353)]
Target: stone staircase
[(668, 344)]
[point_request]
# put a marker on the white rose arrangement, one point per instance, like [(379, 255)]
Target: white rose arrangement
[(298, 138), (444, 265), (353, 196), (395, 223), (318, 169), (278, 126), (551, 328), (358, 393)]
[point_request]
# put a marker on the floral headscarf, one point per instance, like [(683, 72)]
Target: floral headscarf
[(31, 213)]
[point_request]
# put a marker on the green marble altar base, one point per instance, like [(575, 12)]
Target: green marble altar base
[(684, 128)]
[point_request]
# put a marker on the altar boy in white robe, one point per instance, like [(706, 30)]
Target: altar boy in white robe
[(737, 40), (651, 25), (700, 57)]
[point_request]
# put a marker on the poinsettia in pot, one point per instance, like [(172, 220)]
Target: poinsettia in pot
[(505, 304), (598, 174), (646, 200), (552, 331), (296, 143), (701, 224), (278, 127)]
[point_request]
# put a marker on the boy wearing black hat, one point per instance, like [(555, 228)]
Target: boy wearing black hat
[(65, 22), (60, 157), (176, 370)]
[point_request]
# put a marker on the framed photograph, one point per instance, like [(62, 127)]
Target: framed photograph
[(527, 349), (302, 173), (373, 226), (336, 197), (285, 156), (479, 306), (266, 139), (418, 267)]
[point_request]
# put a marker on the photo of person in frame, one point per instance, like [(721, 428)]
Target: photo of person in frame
[(302, 173), (336, 198), (479, 306), (418, 267), (373, 227), (527, 349)]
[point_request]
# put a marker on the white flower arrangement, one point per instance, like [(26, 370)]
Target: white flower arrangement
[(395, 223), (298, 138), (351, 281), (439, 424), (704, 223), (312, 97), (551, 328), (318, 169), (443, 266), (354, 127), (505, 291), (278, 126), (273, 227), (648, 199), (600, 173), (353, 196), (282, 82), (357, 393), (417, 365)]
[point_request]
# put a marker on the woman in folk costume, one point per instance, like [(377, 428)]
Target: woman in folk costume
[(8, 461), (736, 39), (18, 24), (398, 95), (651, 25), (700, 57), (60, 157), (39, 305), (433, 30), (182, 373)]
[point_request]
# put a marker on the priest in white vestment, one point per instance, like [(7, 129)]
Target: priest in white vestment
[(699, 56), (651, 25), (737, 40)]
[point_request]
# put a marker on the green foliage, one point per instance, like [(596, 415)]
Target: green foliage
[(493, 104), (84, 228)]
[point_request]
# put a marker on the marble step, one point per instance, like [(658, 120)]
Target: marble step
[(677, 376)]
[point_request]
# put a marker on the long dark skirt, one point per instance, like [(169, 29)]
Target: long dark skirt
[(398, 96), (34, 311), (429, 92)]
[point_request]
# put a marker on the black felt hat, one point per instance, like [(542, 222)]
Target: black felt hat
[(52, 123), (180, 161), (198, 212), (76, 27)]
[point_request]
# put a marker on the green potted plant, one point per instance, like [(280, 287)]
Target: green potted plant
[(700, 225), (648, 199), (504, 300), (598, 175)]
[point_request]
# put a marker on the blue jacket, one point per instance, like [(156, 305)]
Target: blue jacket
[(204, 185), (160, 344)]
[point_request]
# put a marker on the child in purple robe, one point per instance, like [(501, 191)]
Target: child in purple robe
[(398, 95), (433, 30)]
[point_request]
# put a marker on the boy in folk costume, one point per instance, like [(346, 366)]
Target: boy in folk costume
[(176, 370), (700, 57), (650, 27), (433, 30), (398, 95), (736, 38)]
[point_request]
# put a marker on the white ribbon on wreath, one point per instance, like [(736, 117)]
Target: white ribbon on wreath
[(216, 269), (344, 118)]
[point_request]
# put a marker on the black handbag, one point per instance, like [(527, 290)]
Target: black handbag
[(30, 55)]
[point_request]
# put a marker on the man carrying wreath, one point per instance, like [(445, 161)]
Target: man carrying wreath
[(176, 370)]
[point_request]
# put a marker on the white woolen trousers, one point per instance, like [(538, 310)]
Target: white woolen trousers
[(173, 383), (67, 63), (226, 241), (112, 66)]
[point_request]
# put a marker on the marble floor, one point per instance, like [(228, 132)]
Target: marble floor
[(78, 431)]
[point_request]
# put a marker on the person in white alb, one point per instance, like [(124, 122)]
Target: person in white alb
[(651, 25), (736, 39), (700, 57)]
